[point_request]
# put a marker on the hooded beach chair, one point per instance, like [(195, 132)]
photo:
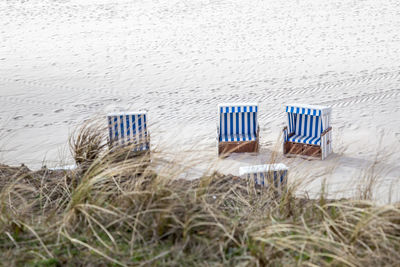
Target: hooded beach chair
[(309, 131), (129, 129), (237, 128), (274, 176)]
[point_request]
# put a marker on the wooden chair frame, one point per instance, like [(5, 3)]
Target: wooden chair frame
[(226, 148)]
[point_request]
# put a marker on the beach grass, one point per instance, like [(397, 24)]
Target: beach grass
[(116, 209)]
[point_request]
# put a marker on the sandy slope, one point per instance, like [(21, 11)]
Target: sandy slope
[(64, 61)]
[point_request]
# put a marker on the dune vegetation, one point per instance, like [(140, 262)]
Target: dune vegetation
[(116, 209)]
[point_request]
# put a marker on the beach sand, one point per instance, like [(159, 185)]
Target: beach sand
[(65, 61)]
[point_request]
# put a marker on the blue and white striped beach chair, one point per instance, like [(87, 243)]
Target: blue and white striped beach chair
[(274, 176), (309, 131), (238, 129), (129, 129)]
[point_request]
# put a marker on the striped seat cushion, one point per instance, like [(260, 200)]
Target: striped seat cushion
[(238, 137), (307, 129), (310, 140)]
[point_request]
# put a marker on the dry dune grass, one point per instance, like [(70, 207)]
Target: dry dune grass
[(114, 209)]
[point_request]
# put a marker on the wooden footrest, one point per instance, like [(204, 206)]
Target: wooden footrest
[(302, 149), (237, 147)]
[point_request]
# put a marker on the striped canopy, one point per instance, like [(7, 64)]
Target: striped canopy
[(237, 122), (238, 107), (262, 168), (308, 109), (129, 129)]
